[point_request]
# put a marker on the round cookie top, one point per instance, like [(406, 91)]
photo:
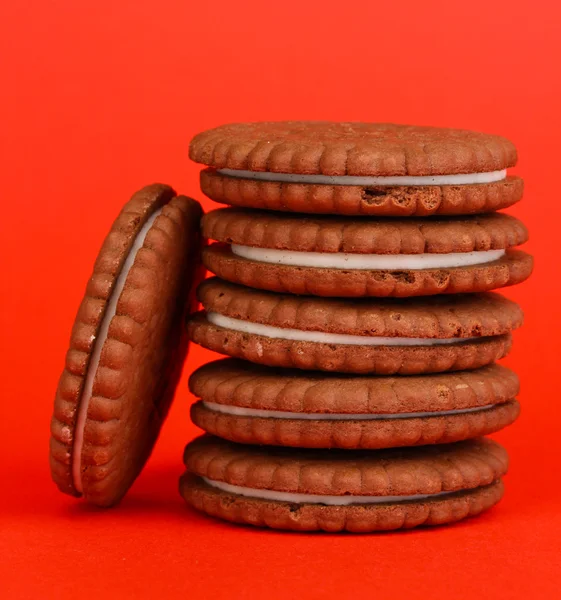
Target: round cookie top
[(354, 149), (362, 235), (127, 347), (461, 316), (396, 472), (247, 385)]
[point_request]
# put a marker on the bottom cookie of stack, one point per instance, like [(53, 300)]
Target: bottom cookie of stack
[(334, 490)]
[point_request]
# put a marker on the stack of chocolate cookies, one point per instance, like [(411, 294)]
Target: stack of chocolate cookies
[(353, 295)]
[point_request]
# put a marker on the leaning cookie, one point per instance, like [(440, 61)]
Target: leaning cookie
[(383, 336), (252, 404), (354, 257), (343, 490), (126, 348), (376, 169)]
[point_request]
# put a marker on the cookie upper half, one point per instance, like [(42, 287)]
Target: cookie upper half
[(384, 336), (351, 149), (376, 169), (249, 403), (127, 347), (342, 490), (342, 256)]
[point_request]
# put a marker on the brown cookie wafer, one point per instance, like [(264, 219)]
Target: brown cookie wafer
[(377, 169), (339, 256), (365, 200), (383, 336), (253, 404), (351, 490), (361, 149), (127, 347)]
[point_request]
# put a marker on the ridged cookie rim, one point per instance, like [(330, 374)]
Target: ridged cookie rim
[(395, 317), (276, 147), (116, 247), (511, 269), (382, 360), (233, 382), (354, 519), (390, 472), (354, 434), (331, 234), (378, 201), (106, 406)]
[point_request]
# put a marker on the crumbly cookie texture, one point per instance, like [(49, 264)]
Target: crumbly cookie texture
[(349, 412), (330, 234), (381, 360), (393, 472), (468, 472), (142, 354), (360, 149), (515, 266), (246, 385), (371, 200), (464, 316), (358, 433)]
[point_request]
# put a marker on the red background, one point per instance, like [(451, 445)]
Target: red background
[(100, 98)]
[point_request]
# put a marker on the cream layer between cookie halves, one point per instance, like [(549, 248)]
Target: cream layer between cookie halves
[(394, 180), (343, 260), (110, 312), (239, 411), (319, 499)]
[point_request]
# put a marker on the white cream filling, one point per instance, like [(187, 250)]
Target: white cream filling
[(342, 260), (279, 414), (320, 337), (110, 311), (315, 498), (457, 179)]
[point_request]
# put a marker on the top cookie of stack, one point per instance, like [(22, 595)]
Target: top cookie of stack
[(342, 175), (374, 169)]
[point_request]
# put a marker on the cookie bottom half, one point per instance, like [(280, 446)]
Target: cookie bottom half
[(359, 518), (355, 434), (383, 360), (379, 201), (514, 267)]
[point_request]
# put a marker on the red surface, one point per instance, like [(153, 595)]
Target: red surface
[(101, 98)]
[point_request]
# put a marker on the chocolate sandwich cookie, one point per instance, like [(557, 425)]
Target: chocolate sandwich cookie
[(342, 490), (342, 256), (126, 348), (372, 169), (253, 404), (383, 336)]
